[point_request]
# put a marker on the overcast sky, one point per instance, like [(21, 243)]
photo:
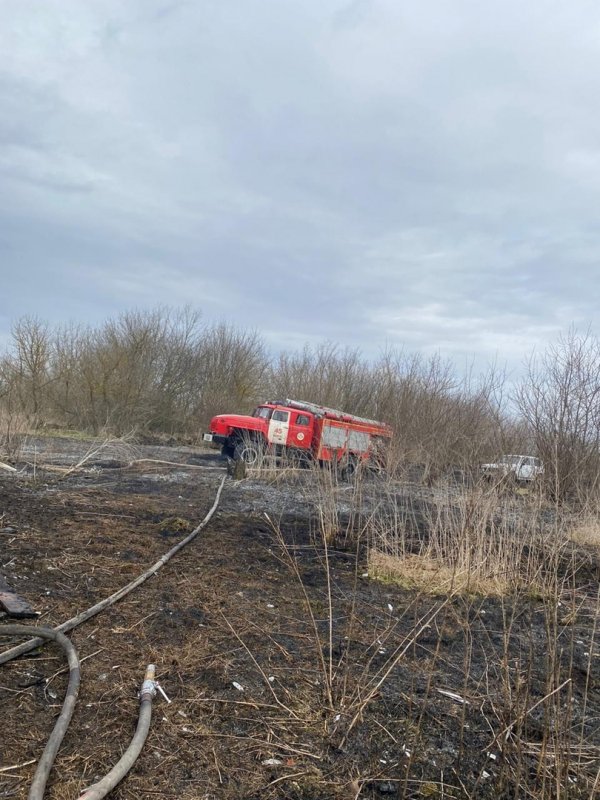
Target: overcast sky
[(423, 174)]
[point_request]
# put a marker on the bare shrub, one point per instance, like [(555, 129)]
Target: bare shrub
[(326, 374), (150, 371), (14, 422), (132, 372), (25, 369), (559, 399), (14, 429), (230, 368), (440, 422)]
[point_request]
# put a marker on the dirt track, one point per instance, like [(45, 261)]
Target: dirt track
[(232, 610)]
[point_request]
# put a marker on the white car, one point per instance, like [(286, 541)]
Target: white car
[(522, 468)]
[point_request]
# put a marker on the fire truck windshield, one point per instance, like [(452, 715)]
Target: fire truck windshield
[(263, 412)]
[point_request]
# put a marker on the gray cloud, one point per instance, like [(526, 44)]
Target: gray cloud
[(371, 171)]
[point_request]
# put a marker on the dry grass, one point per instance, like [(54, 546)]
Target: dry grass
[(470, 539), (423, 574), (469, 546), (586, 531)]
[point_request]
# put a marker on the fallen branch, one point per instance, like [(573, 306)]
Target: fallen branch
[(66, 471), (94, 451), (168, 463)]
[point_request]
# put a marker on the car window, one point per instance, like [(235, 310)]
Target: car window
[(280, 416), (302, 419)]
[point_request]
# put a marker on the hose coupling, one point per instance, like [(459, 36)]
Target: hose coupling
[(149, 684)]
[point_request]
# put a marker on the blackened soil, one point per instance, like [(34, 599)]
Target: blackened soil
[(291, 673)]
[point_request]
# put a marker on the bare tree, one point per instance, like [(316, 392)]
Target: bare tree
[(559, 398), (133, 372), (27, 365), (230, 369), (326, 374)]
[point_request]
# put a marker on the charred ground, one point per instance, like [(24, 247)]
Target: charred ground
[(291, 673)]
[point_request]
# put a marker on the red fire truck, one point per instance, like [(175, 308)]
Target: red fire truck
[(303, 432)]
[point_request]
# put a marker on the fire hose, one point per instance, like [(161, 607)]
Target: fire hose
[(129, 757), (38, 784), (147, 693)]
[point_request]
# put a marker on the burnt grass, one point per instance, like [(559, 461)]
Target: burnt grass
[(290, 674)]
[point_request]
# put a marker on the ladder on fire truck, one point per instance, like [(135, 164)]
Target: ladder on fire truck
[(325, 412)]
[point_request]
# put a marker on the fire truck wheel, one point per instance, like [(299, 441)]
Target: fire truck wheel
[(348, 471), (298, 459), (248, 452)]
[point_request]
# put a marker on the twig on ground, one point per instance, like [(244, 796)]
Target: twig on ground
[(18, 766), (287, 778)]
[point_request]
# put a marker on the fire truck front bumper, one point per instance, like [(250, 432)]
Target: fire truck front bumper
[(216, 440)]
